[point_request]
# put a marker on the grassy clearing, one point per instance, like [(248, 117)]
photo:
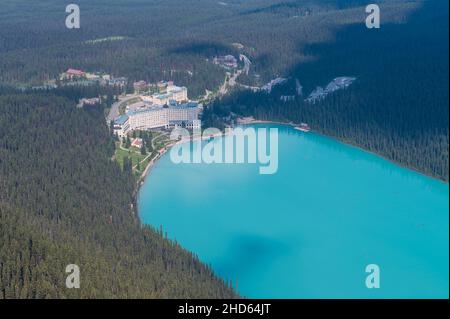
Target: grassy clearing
[(133, 153), (139, 161)]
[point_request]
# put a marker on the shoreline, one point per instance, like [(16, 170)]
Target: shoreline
[(294, 125), (153, 161), (142, 178), (167, 148)]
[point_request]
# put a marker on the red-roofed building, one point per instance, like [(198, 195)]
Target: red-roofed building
[(137, 142), (73, 73)]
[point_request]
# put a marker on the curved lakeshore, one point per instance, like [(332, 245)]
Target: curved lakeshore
[(163, 151), (276, 236), (347, 143), (293, 125)]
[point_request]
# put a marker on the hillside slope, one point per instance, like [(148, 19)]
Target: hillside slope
[(397, 107), (63, 201)]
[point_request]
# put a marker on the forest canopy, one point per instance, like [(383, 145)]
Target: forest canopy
[(63, 200)]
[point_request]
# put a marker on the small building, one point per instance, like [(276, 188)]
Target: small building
[(93, 77), (72, 74), (140, 86), (227, 61), (137, 142), (91, 101), (118, 81)]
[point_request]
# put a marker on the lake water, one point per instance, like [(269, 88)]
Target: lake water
[(310, 230)]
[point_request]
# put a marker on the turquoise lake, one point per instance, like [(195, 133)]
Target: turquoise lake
[(310, 230)]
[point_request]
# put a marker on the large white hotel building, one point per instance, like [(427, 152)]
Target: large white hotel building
[(156, 116), (169, 109)]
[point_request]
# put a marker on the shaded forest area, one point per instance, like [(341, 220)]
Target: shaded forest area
[(64, 201), (170, 39), (398, 107)]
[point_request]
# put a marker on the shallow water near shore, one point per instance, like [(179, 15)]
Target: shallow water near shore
[(310, 230)]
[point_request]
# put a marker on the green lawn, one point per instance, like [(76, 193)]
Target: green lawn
[(135, 154)]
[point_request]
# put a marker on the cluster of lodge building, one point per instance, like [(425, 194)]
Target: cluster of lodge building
[(168, 108), (167, 92), (89, 101), (154, 111), (79, 77), (226, 61)]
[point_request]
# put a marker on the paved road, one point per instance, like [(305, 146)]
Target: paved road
[(229, 83), (114, 112)]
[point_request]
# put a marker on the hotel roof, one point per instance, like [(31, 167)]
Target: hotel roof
[(121, 119), (156, 107), (146, 110), (74, 71), (177, 89), (162, 96), (186, 105)]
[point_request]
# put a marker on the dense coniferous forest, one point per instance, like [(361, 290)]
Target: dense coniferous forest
[(398, 107), (64, 201), (170, 39)]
